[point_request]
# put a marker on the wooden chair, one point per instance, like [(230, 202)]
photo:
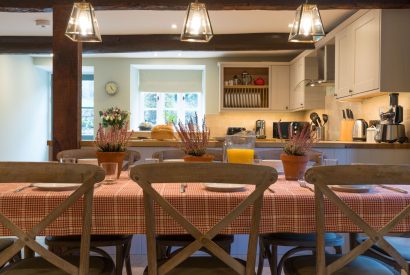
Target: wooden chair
[(400, 242), (122, 243), (222, 263), (165, 243), (131, 156), (268, 243), (48, 262), (179, 154), (352, 262), (314, 156)]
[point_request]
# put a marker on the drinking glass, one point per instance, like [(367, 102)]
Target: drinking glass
[(67, 160), (239, 148), (110, 169)]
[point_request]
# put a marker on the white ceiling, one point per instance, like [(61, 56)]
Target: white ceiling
[(159, 22)]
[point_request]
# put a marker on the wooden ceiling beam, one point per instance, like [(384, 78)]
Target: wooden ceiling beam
[(46, 5), (157, 42)]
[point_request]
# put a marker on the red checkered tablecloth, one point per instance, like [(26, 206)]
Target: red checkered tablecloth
[(118, 209)]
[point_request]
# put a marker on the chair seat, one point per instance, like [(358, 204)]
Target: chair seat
[(6, 242), (401, 244), (96, 240), (304, 240), (306, 265), (38, 265), (202, 266)]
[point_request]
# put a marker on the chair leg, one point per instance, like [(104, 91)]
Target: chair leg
[(261, 257), (119, 259), (272, 255), (127, 257)]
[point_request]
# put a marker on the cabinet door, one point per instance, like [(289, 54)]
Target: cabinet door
[(366, 37), (296, 94), (344, 63), (279, 83)]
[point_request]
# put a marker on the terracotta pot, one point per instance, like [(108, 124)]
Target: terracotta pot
[(294, 166), (117, 157), (203, 158)]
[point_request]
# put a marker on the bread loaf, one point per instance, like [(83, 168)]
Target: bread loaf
[(162, 132)]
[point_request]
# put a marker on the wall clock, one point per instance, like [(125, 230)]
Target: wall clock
[(111, 88)]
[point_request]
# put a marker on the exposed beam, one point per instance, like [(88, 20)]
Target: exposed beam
[(46, 5), (158, 42)]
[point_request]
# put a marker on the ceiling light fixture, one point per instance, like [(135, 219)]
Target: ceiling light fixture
[(307, 26), (197, 26), (82, 25)]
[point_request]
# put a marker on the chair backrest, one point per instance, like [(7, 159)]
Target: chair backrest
[(84, 153), (260, 176), (179, 154), (314, 156), (324, 176), (56, 173)]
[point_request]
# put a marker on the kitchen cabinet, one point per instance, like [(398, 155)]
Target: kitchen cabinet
[(303, 97), (238, 92), (272, 96), (372, 55), (279, 85)]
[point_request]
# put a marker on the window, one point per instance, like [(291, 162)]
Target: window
[(87, 107), (161, 108)]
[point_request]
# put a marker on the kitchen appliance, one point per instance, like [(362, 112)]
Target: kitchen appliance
[(359, 130), (287, 130), (325, 57), (390, 128), (260, 129), (234, 130)]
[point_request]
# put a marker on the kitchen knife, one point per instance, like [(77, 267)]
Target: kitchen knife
[(344, 114), (351, 114)]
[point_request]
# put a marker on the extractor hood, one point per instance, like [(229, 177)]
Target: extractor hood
[(326, 67)]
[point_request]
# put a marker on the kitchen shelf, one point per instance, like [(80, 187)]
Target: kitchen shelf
[(246, 87)]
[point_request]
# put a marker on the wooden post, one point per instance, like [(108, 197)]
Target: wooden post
[(67, 74)]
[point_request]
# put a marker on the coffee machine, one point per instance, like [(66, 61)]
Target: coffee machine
[(390, 128), (260, 130)]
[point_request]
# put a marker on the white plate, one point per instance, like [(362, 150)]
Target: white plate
[(173, 160), (277, 164), (56, 186), (224, 187), (352, 188)]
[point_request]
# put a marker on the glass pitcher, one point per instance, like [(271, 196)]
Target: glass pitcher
[(239, 148)]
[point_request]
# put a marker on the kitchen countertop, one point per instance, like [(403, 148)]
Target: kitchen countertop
[(265, 143)]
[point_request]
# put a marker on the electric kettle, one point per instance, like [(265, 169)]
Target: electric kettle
[(359, 130)]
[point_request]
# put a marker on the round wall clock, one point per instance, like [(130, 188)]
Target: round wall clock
[(111, 88)]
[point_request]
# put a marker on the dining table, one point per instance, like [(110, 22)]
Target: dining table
[(118, 208)]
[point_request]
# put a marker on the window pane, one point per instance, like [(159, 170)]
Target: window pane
[(150, 100), (87, 93), (191, 100), (171, 100), (150, 116), (87, 123), (190, 115), (171, 116)]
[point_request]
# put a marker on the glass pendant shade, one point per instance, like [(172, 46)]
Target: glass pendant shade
[(197, 26), (307, 26), (82, 25)]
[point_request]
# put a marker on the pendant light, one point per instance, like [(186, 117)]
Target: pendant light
[(82, 25), (307, 26), (197, 26)]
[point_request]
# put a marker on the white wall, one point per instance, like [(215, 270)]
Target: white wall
[(24, 124)]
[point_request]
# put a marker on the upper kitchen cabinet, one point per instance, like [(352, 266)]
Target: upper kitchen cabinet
[(254, 86), (303, 69), (372, 55), (279, 84)]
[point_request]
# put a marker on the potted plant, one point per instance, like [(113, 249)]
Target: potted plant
[(112, 136), (294, 156), (114, 116), (194, 140)]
